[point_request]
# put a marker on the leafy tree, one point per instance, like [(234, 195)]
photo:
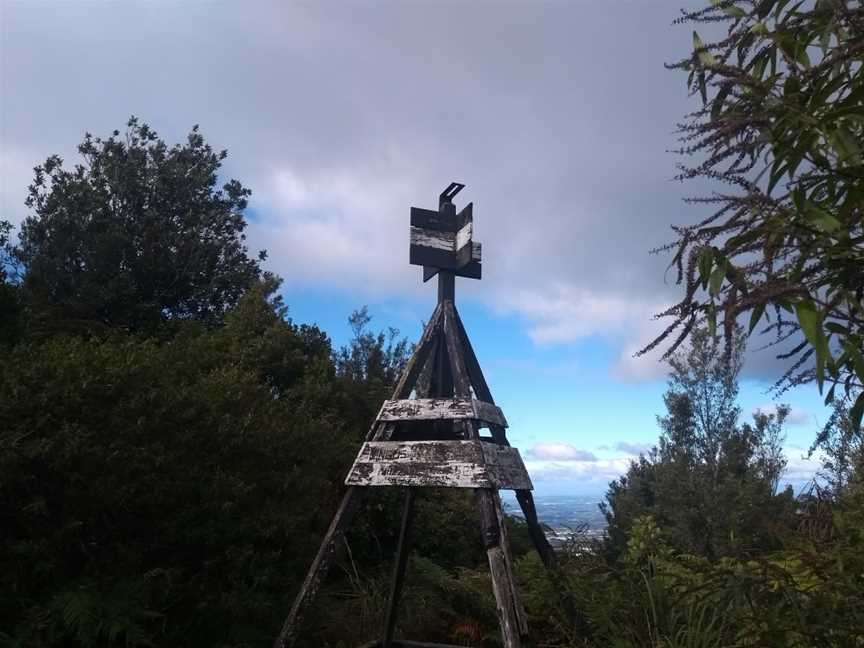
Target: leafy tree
[(135, 235), (842, 448), (158, 493), (779, 132), (710, 482), (369, 366)]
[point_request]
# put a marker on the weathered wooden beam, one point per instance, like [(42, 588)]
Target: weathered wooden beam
[(432, 409), (524, 497), (461, 382), (424, 380), (416, 362), (402, 643), (446, 221), (472, 270), (351, 500), (508, 617), (510, 614), (326, 552), (447, 464), (511, 566), (447, 249), (402, 550)]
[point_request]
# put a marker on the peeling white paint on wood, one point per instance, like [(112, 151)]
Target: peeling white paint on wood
[(433, 239), (437, 409), (463, 236), (449, 464)]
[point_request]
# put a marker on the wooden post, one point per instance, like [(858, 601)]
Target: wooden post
[(402, 551), (524, 497), (511, 614), (441, 374), (446, 286), (320, 566), (378, 431)]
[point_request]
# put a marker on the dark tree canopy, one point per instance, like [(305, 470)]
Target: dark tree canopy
[(136, 234), (9, 293)]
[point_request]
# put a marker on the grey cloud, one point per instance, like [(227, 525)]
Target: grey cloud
[(633, 448), (340, 116)]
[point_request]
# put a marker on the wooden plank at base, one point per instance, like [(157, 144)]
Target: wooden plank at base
[(402, 643), (445, 464), (436, 409)]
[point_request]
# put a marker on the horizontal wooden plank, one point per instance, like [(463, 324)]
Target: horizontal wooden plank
[(489, 413), (472, 270), (404, 643), (436, 409), (442, 222), (437, 258), (448, 464), (445, 250), (429, 238)]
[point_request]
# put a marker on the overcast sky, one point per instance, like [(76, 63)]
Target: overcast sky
[(340, 116)]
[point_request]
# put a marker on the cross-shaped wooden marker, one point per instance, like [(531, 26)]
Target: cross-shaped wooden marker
[(441, 241)]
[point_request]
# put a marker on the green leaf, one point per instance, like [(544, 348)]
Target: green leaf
[(717, 102), (730, 10), (856, 411), (716, 280), (834, 327), (705, 57), (810, 320), (712, 319), (755, 316), (849, 144), (777, 171), (821, 218), (798, 197), (705, 261), (857, 359), (764, 8)]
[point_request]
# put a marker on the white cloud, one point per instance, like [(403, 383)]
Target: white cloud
[(799, 466), (797, 416), (597, 471), (559, 452), (564, 312), (563, 464)]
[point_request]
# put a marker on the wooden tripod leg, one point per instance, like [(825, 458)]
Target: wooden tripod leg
[(511, 616), (541, 543), (550, 561), (321, 564), (399, 569)]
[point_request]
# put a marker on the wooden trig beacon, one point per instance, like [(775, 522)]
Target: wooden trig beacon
[(429, 436)]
